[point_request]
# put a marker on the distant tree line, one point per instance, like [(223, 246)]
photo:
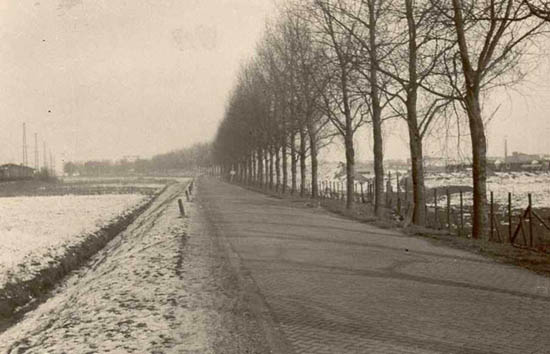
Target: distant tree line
[(187, 159), (324, 68)]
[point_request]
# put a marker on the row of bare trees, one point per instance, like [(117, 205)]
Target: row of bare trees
[(324, 68)]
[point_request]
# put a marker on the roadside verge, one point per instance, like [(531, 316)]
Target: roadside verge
[(18, 294)]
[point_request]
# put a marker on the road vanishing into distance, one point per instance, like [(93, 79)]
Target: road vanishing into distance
[(333, 285), (248, 273)]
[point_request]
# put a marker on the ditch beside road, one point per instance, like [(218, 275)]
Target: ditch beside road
[(161, 286)]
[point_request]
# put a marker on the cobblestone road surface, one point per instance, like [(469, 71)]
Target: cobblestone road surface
[(338, 286)]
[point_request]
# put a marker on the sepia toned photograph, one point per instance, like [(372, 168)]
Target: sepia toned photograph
[(275, 176)]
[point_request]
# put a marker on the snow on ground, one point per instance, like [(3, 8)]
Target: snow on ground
[(34, 230), (157, 287), (520, 184)]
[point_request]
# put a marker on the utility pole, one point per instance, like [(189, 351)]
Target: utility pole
[(45, 158), (36, 164), (25, 156), (51, 164)]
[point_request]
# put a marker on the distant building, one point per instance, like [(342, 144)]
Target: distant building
[(12, 171), (521, 158), (522, 162)]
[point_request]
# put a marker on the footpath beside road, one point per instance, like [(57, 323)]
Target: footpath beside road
[(332, 285)]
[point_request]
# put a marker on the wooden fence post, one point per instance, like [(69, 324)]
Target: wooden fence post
[(492, 216), (509, 216), (426, 215), (448, 211), (182, 209), (461, 214), (436, 217), (530, 221)]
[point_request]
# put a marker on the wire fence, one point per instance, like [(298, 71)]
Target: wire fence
[(447, 208), (450, 208)]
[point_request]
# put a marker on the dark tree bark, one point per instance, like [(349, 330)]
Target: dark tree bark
[(415, 136), (271, 171), (284, 157), (260, 168), (293, 160), (250, 171), (314, 162), (254, 168), (479, 164), (278, 168), (302, 154), (417, 175), (376, 112)]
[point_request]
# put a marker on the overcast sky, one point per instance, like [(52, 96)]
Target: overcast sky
[(109, 78)]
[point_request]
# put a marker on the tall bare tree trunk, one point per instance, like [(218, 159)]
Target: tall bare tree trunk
[(266, 167), (415, 137), (240, 171), (250, 171), (260, 168), (314, 161), (350, 170), (417, 176), (254, 168), (293, 161), (271, 171), (348, 142), (284, 157), (479, 164), (376, 114), (278, 168), (303, 145), (473, 79)]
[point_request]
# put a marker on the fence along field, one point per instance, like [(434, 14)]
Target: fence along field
[(518, 213), (513, 217)]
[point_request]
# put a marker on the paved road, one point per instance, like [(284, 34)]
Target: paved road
[(338, 286)]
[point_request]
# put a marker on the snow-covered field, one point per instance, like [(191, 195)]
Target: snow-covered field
[(162, 286), (520, 184), (36, 230)]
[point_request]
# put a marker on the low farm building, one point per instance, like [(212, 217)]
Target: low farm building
[(12, 171)]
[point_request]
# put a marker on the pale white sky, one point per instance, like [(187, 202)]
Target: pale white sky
[(109, 78), (120, 77)]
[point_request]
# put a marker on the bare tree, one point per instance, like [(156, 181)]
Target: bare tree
[(492, 39), (362, 21), (411, 59), (340, 105)]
